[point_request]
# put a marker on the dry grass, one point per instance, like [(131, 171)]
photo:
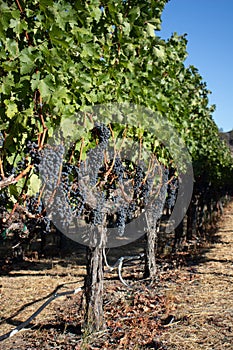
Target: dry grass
[(203, 305), (24, 290)]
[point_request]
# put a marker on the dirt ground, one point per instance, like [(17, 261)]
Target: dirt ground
[(203, 306), (189, 307)]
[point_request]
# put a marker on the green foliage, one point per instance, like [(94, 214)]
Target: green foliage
[(57, 57)]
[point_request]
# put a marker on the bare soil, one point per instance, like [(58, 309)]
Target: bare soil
[(189, 307)]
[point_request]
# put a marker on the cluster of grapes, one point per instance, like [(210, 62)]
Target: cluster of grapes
[(1, 139), (158, 202), (32, 149), (138, 177), (34, 205), (55, 192), (73, 189), (81, 183), (84, 191), (145, 190), (172, 192), (124, 173), (142, 186), (40, 223), (144, 194), (121, 219), (140, 191), (97, 213), (131, 210), (59, 210), (50, 165), (96, 155), (94, 164), (102, 132), (118, 169), (9, 170), (21, 165)]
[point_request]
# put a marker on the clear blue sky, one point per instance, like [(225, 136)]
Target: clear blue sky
[(209, 28)]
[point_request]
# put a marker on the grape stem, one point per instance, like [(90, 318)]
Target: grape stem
[(23, 173), (1, 169)]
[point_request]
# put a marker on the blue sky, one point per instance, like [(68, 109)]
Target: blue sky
[(209, 28)]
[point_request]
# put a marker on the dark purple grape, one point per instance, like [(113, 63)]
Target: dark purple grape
[(121, 220), (103, 133), (172, 193), (1, 139)]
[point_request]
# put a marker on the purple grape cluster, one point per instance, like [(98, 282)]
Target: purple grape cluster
[(74, 192), (96, 155), (1, 139), (32, 149), (21, 165), (34, 205), (41, 223), (55, 193), (49, 167), (138, 177), (118, 169), (172, 191), (102, 132), (121, 219)]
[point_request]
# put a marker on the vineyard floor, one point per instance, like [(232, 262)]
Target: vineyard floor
[(203, 307), (190, 308)]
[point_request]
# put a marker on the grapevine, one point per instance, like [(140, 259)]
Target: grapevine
[(57, 60)]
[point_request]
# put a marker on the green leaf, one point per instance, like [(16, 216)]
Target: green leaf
[(34, 185), (12, 47), (134, 13), (27, 60), (7, 84), (11, 108), (13, 191), (159, 51), (35, 81), (71, 128), (96, 13), (18, 25), (150, 29), (46, 87)]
